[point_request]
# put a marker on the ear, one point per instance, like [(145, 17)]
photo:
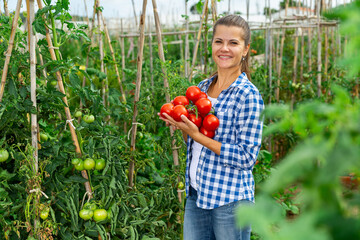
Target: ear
[(246, 50)]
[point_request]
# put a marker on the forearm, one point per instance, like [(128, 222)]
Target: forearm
[(209, 143)]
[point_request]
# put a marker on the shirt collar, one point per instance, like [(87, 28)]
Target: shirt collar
[(236, 83)]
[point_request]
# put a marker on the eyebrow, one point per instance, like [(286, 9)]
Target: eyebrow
[(233, 39)]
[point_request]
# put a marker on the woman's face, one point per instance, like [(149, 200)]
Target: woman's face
[(228, 47)]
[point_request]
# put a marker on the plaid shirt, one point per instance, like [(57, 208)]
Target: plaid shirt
[(225, 178)]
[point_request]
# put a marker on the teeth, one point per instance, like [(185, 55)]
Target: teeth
[(224, 57)]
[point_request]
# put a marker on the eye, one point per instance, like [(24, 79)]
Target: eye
[(234, 43), (217, 41)]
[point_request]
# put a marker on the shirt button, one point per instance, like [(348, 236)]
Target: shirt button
[(198, 170)]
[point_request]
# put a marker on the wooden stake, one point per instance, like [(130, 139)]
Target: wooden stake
[(151, 54), (206, 40), (319, 29), (137, 90), (295, 67), (67, 110), (113, 58), (302, 56), (213, 11), (187, 54), (198, 40), (166, 85), (10, 48), (6, 8)]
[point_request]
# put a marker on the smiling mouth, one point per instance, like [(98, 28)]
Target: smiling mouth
[(224, 57)]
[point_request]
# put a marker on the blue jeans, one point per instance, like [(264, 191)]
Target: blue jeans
[(218, 223)]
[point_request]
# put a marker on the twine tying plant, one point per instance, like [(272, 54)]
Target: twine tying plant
[(36, 190), (70, 122)]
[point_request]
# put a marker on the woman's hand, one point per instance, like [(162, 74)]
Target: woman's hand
[(185, 125)]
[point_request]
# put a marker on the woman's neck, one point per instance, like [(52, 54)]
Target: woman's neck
[(223, 80)]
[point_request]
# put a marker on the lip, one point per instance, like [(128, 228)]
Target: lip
[(224, 56)]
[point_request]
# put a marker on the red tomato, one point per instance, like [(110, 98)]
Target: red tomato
[(166, 108), (202, 95), (211, 122), (204, 106), (196, 120), (193, 93), (181, 100), (178, 111), (207, 133)]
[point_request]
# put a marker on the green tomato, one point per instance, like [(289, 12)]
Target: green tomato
[(78, 114), (89, 164), (100, 215), (4, 155), (75, 161), (44, 137), (109, 214), (53, 83), (100, 164), (89, 118), (181, 185), (79, 166), (44, 214), (90, 206), (86, 214)]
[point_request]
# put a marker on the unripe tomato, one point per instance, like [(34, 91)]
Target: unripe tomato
[(181, 185), (86, 214), (89, 118), (78, 114), (211, 122), (44, 214), (75, 161), (166, 108), (89, 163), (100, 164), (80, 165), (100, 215), (4, 155), (44, 137), (181, 100), (53, 83), (90, 206)]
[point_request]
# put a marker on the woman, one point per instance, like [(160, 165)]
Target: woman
[(219, 170)]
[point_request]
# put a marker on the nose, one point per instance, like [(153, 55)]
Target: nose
[(225, 47)]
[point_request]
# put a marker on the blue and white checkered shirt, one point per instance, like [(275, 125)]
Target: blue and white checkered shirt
[(225, 178)]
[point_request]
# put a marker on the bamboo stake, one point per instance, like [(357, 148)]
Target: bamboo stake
[(187, 66), (10, 48), (166, 86), (6, 8), (67, 110), (87, 17), (137, 90), (309, 51), (206, 40), (302, 56), (133, 5), (151, 54), (213, 11), (91, 27), (319, 51), (198, 40), (34, 122), (41, 60), (122, 43), (295, 67), (101, 50)]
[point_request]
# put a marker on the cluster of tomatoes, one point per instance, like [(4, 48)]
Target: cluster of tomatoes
[(91, 211), (88, 164), (196, 107)]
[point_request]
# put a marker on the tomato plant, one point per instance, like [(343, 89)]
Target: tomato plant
[(78, 114), (86, 214), (80, 165), (44, 137), (178, 111)]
